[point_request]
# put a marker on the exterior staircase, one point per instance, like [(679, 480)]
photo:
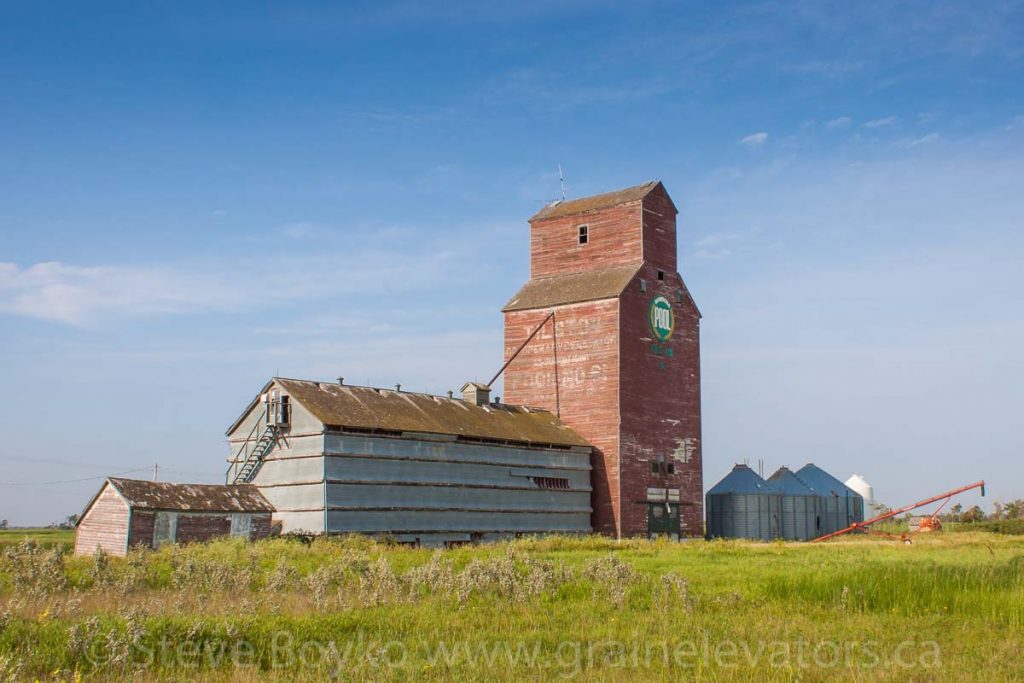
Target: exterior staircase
[(246, 462)]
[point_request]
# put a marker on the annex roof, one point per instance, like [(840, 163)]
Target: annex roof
[(596, 202), (345, 406), (573, 288)]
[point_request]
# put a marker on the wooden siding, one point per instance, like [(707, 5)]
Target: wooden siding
[(192, 528), (614, 239), (105, 525), (633, 399), (660, 405), (587, 374), (141, 528)]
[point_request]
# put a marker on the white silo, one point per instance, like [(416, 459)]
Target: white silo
[(861, 486)]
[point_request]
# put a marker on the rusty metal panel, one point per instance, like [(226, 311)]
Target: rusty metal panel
[(154, 495), (368, 408)]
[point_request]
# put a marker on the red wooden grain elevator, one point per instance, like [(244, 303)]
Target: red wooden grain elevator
[(620, 359)]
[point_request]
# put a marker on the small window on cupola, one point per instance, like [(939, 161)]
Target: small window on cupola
[(584, 234), (661, 275)]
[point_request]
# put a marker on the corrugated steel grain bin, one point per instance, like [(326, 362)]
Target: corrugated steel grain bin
[(800, 518), (743, 505), (839, 505)]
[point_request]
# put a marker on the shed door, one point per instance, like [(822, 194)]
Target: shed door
[(241, 525), (164, 528)]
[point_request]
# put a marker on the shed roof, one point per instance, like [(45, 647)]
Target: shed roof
[(160, 495), (786, 483), (153, 495), (823, 482), (741, 480), (596, 202), (338, 405), (574, 288)]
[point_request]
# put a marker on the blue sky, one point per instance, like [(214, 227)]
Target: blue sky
[(197, 196)]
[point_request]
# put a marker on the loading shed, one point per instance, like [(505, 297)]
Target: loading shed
[(743, 505), (128, 512)]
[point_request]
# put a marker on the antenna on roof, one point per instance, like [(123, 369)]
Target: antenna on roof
[(561, 181)]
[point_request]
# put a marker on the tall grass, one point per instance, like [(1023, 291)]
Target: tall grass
[(577, 604)]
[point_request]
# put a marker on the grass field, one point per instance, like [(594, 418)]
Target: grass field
[(949, 607), (43, 536)]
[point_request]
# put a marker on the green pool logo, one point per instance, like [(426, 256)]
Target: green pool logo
[(662, 319)]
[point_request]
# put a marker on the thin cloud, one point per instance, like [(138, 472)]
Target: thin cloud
[(841, 122), (881, 123), (83, 295), (907, 143), (755, 139), (76, 294)]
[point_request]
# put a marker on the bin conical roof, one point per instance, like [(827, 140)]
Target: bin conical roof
[(742, 479)]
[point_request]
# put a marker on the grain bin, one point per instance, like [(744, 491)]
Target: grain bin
[(867, 503), (743, 505), (839, 506), (800, 518)]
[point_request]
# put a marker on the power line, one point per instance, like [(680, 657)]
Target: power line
[(69, 481)]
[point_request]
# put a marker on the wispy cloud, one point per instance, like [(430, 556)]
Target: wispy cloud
[(907, 143), (715, 245), (881, 123), (305, 230), (754, 139), (75, 294), (383, 260), (553, 90), (841, 122)]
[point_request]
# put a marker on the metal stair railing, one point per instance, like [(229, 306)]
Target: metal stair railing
[(254, 449)]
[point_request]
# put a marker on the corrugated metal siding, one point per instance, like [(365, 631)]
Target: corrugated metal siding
[(447, 522), (354, 469), (417, 498), (799, 515), (410, 449), (433, 490), (441, 491), (278, 470), (744, 515)]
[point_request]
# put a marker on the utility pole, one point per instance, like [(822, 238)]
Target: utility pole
[(156, 470)]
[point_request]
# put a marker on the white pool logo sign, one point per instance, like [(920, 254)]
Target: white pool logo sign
[(662, 319)]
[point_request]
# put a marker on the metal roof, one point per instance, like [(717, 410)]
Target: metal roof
[(596, 202), (786, 483), (158, 495), (741, 480), (339, 405), (558, 290), (822, 482)]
